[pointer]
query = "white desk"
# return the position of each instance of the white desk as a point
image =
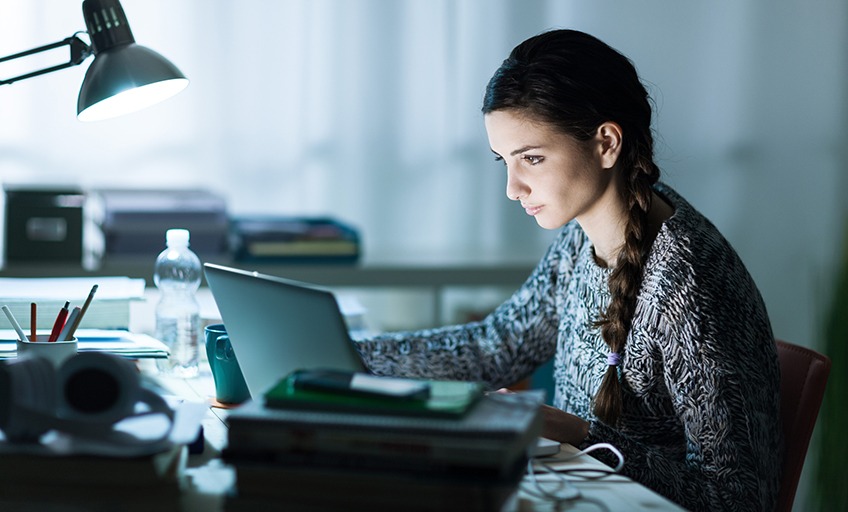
(209, 477)
(612, 493)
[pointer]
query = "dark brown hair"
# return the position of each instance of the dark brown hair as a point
(576, 82)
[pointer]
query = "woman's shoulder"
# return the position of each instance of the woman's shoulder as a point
(697, 292)
(692, 266)
(690, 239)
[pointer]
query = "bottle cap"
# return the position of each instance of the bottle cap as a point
(177, 237)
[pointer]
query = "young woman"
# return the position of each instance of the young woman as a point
(661, 341)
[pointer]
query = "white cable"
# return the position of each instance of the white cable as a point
(566, 490)
(598, 446)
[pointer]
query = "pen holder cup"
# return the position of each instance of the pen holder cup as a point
(230, 387)
(54, 351)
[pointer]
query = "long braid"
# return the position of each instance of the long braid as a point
(626, 280)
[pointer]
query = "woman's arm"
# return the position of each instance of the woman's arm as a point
(500, 350)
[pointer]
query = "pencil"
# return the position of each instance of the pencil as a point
(33, 324)
(21, 335)
(85, 305)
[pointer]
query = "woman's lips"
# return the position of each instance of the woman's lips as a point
(532, 210)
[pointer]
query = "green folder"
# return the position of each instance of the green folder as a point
(446, 399)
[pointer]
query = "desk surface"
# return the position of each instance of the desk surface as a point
(208, 476)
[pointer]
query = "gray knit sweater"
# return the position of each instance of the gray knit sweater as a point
(700, 422)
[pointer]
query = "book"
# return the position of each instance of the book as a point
(34, 481)
(22, 467)
(495, 433)
(43, 496)
(400, 457)
(318, 488)
(450, 399)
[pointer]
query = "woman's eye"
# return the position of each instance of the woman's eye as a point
(533, 159)
(500, 159)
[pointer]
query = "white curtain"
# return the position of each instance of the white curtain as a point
(368, 110)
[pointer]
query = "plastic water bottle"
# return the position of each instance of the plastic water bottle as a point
(177, 276)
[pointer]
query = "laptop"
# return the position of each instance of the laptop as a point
(278, 325)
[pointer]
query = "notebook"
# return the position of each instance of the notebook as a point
(278, 325)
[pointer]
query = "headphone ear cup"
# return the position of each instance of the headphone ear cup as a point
(85, 397)
(97, 389)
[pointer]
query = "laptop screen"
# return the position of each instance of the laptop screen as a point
(278, 325)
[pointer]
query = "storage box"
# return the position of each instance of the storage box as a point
(134, 221)
(44, 224)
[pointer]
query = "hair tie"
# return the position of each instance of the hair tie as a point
(613, 359)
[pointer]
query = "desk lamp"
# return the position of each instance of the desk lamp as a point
(124, 77)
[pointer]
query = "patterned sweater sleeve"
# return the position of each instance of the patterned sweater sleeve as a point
(505, 347)
(722, 377)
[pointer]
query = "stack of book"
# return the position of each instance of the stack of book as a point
(293, 240)
(71, 483)
(110, 307)
(351, 454)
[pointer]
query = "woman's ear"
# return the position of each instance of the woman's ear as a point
(609, 137)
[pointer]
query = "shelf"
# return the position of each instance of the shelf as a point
(374, 274)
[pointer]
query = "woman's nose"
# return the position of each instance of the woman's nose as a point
(515, 188)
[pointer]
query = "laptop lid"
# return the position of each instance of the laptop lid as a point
(278, 325)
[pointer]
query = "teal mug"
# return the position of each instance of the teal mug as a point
(230, 387)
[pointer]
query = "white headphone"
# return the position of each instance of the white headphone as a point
(85, 397)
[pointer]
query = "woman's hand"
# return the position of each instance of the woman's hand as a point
(563, 427)
(559, 425)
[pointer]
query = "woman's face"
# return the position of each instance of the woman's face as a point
(555, 177)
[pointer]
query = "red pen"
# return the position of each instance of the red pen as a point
(33, 323)
(60, 321)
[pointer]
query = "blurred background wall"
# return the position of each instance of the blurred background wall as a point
(368, 110)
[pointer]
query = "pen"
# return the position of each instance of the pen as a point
(78, 319)
(63, 336)
(33, 324)
(15, 323)
(60, 321)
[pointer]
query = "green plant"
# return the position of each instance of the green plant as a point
(830, 483)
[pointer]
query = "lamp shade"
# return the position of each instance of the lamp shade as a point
(124, 79)
(124, 76)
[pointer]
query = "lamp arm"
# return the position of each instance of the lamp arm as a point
(79, 52)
